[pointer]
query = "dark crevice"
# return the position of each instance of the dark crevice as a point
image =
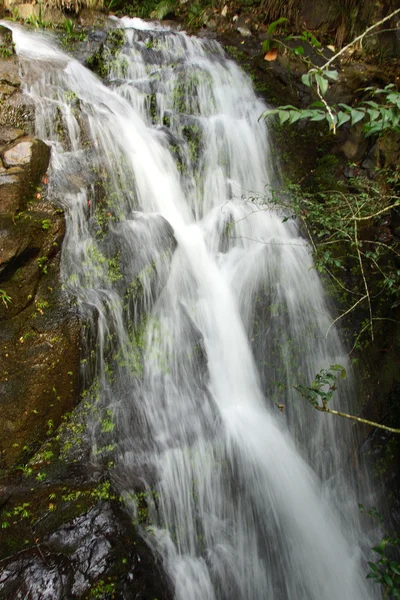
(20, 261)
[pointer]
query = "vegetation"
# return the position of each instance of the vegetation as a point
(350, 241)
(378, 117)
(321, 391)
(5, 298)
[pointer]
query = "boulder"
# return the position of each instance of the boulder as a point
(25, 161)
(97, 554)
(9, 135)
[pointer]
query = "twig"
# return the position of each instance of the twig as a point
(374, 215)
(344, 314)
(354, 418)
(38, 548)
(364, 278)
(328, 108)
(366, 327)
(360, 37)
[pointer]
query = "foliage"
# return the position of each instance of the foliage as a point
(386, 569)
(163, 8)
(323, 387)
(6, 45)
(5, 298)
(350, 241)
(321, 391)
(377, 116)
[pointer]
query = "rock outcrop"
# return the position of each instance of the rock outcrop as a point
(39, 333)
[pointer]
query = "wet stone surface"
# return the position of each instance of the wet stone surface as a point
(95, 555)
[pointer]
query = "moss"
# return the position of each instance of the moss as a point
(103, 59)
(7, 48)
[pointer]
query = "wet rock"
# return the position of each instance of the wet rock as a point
(91, 18)
(39, 334)
(20, 154)
(27, 151)
(9, 135)
(96, 554)
(9, 72)
(18, 112)
(26, 160)
(10, 197)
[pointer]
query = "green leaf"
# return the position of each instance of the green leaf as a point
(299, 50)
(266, 45)
(373, 567)
(380, 548)
(322, 82)
(394, 98)
(395, 567)
(372, 104)
(268, 113)
(342, 118)
(332, 75)
(283, 116)
(374, 129)
(373, 114)
(388, 580)
(306, 79)
(312, 39)
(307, 113)
(295, 115)
(271, 29)
(319, 116)
(356, 115)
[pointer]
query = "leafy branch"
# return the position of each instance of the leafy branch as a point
(377, 116)
(342, 227)
(321, 391)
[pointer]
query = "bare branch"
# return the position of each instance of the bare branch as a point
(360, 37)
(354, 418)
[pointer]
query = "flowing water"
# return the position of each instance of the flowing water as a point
(207, 311)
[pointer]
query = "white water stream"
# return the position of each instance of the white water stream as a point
(207, 306)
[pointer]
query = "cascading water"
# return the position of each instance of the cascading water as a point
(205, 304)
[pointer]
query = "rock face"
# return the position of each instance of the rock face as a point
(63, 533)
(39, 334)
(89, 556)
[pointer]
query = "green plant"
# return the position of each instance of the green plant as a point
(163, 8)
(386, 569)
(197, 15)
(321, 391)
(41, 305)
(46, 224)
(269, 43)
(41, 261)
(102, 589)
(5, 298)
(377, 116)
(345, 232)
(37, 21)
(69, 26)
(6, 51)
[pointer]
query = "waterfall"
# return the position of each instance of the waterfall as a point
(206, 312)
